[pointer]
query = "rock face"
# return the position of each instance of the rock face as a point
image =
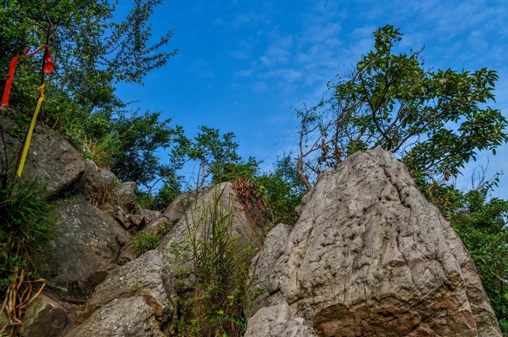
(263, 263)
(145, 276)
(44, 317)
(370, 256)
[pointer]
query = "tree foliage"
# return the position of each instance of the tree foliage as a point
(92, 50)
(435, 121)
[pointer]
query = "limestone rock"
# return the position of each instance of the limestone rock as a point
(263, 262)
(145, 276)
(277, 321)
(81, 254)
(50, 157)
(97, 183)
(370, 256)
(124, 317)
(150, 215)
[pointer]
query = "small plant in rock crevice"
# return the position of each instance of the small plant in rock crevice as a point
(145, 241)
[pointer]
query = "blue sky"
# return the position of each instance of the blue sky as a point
(244, 66)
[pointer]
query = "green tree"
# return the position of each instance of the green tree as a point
(213, 152)
(434, 121)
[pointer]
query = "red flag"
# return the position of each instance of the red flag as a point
(48, 68)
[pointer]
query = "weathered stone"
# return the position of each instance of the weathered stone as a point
(124, 317)
(370, 256)
(44, 317)
(122, 218)
(50, 157)
(82, 252)
(263, 262)
(137, 219)
(145, 276)
(128, 253)
(157, 224)
(277, 321)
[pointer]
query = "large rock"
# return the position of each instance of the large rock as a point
(370, 256)
(97, 183)
(124, 317)
(82, 253)
(50, 157)
(176, 210)
(263, 263)
(145, 276)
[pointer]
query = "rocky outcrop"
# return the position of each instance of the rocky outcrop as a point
(370, 256)
(50, 157)
(153, 282)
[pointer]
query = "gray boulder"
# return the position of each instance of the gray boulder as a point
(176, 210)
(124, 317)
(50, 157)
(370, 256)
(83, 250)
(263, 263)
(145, 276)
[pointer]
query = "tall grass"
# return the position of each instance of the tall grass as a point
(27, 222)
(220, 263)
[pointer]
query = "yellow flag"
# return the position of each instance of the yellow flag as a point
(28, 138)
